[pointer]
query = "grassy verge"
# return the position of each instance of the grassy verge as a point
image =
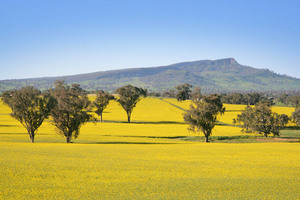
(290, 136)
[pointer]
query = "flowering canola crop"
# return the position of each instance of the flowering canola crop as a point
(153, 171)
(117, 160)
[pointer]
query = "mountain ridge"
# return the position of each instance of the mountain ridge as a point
(222, 75)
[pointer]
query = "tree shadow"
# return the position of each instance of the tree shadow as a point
(13, 133)
(139, 122)
(226, 124)
(4, 125)
(233, 110)
(152, 137)
(116, 142)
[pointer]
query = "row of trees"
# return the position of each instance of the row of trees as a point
(290, 100)
(181, 92)
(202, 116)
(246, 99)
(255, 97)
(184, 92)
(68, 106)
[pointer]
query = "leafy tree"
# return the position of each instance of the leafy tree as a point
(283, 98)
(252, 98)
(101, 102)
(236, 98)
(70, 113)
(283, 120)
(129, 96)
(203, 116)
(268, 101)
(154, 94)
(169, 94)
(183, 92)
(296, 116)
(247, 118)
(261, 120)
(30, 107)
(294, 100)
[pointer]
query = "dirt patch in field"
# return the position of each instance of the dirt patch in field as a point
(287, 139)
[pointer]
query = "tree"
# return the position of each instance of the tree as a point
(247, 118)
(70, 113)
(296, 116)
(283, 98)
(101, 102)
(268, 101)
(196, 94)
(261, 120)
(203, 116)
(294, 100)
(236, 98)
(169, 94)
(30, 107)
(129, 96)
(183, 92)
(252, 98)
(283, 120)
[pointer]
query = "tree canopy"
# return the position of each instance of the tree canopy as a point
(202, 116)
(70, 113)
(30, 107)
(129, 96)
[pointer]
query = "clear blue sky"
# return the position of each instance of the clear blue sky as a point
(63, 37)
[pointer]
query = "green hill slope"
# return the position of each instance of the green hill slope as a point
(222, 75)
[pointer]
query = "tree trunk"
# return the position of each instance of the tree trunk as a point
(101, 117)
(32, 139)
(31, 135)
(68, 139)
(266, 135)
(128, 117)
(206, 138)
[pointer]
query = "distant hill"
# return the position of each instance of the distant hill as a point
(224, 75)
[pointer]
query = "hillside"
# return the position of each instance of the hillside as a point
(222, 75)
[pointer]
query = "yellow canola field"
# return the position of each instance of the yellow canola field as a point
(117, 160)
(153, 171)
(152, 118)
(232, 110)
